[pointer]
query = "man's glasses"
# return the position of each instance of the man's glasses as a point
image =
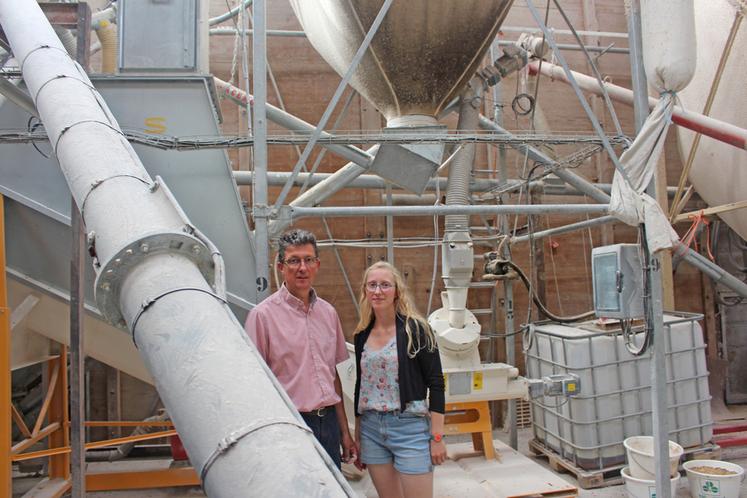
(384, 286)
(295, 263)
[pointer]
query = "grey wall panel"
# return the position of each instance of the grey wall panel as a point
(200, 180)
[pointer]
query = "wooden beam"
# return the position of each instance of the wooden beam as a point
(46, 431)
(165, 478)
(18, 419)
(22, 310)
(49, 488)
(724, 208)
(47, 398)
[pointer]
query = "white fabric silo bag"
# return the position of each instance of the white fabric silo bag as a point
(668, 32)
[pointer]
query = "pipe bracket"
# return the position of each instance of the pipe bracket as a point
(234, 437)
(98, 183)
(152, 300)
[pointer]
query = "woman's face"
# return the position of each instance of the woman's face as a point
(380, 289)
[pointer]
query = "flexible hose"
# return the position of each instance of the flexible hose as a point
(541, 306)
(123, 450)
(68, 39)
(457, 192)
(107, 33)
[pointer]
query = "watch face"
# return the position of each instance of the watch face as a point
(436, 437)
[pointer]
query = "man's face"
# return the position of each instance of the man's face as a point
(299, 269)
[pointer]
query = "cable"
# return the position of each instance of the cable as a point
(541, 306)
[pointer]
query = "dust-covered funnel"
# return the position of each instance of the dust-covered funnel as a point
(424, 52)
(421, 57)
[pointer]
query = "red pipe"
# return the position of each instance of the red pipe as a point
(727, 429)
(718, 130)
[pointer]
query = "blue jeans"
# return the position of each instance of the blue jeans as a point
(327, 430)
(401, 438)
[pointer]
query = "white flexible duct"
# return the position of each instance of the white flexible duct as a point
(239, 428)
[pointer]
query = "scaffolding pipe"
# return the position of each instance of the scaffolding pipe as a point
(706, 125)
(581, 225)
(294, 124)
(491, 209)
(275, 178)
(10, 90)
(713, 271)
(238, 426)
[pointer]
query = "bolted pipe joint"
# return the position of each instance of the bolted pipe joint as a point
(114, 270)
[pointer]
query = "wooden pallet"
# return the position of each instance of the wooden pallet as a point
(587, 479)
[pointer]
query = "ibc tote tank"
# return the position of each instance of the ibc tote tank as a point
(615, 398)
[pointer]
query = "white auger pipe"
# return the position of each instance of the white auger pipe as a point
(240, 430)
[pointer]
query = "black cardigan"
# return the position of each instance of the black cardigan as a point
(415, 374)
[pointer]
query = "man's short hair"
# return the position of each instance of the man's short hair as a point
(295, 237)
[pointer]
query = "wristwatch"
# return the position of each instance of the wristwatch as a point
(437, 437)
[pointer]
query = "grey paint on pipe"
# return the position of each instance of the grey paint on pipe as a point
(228, 408)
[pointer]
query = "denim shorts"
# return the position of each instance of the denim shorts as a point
(400, 437)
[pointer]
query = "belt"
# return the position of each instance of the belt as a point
(319, 412)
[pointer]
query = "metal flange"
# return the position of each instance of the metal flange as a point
(109, 279)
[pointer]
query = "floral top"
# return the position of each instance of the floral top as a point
(380, 381)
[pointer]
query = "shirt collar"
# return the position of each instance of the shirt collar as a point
(294, 301)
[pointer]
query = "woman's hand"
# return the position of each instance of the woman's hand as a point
(438, 452)
(357, 462)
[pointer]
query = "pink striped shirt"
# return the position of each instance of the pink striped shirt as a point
(301, 348)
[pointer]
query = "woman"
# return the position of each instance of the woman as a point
(400, 432)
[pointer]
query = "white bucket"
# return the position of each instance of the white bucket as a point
(640, 453)
(707, 485)
(645, 488)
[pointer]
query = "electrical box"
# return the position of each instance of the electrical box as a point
(617, 275)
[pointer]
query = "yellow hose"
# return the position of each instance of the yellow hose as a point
(107, 33)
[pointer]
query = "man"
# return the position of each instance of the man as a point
(300, 337)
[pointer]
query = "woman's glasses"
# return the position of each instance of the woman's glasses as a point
(384, 286)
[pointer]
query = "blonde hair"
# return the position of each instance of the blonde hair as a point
(403, 306)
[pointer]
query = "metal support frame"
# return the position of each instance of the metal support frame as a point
(6, 411)
(659, 405)
(715, 272)
(584, 104)
(335, 98)
(581, 225)
(77, 354)
(530, 209)
(259, 197)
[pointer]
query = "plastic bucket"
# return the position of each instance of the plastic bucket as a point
(640, 453)
(707, 484)
(645, 488)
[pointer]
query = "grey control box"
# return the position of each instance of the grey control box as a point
(617, 276)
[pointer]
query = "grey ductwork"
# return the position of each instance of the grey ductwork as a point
(457, 255)
(239, 428)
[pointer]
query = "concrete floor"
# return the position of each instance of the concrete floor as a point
(23, 484)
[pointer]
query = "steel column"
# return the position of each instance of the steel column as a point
(654, 311)
(6, 482)
(260, 195)
(77, 355)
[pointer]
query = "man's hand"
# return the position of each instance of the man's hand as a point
(349, 448)
(438, 452)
